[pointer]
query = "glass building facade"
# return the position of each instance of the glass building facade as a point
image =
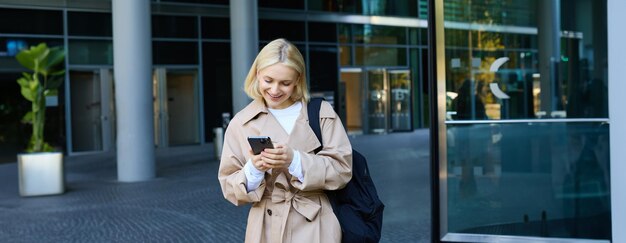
(522, 102)
(524, 122)
(375, 68)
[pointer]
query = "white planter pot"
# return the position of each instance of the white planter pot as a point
(40, 174)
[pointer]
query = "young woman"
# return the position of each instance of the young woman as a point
(285, 184)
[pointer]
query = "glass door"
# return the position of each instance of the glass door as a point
(400, 99)
(92, 110)
(378, 101)
(352, 96)
(176, 107)
(388, 100)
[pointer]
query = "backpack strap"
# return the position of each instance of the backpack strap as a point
(313, 110)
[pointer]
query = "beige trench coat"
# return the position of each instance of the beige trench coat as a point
(283, 208)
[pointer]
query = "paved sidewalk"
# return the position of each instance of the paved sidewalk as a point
(185, 204)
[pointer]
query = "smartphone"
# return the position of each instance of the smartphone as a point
(258, 143)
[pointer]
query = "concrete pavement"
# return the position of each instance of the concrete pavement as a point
(185, 204)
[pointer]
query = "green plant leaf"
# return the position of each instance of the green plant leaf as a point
(24, 82)
(46, 64)
(32, 57)
(47, 147)
(54, 58)
(27, 75)
(41, 60)
(58, 72)
(28, 118)
(51, 92)
(25, 60)
(26, 89)
(33, 85)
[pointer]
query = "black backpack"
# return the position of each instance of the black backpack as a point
(357, 206)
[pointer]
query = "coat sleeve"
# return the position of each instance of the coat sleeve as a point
(231, 175)
(331, 168)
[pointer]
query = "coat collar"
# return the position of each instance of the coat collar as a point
(302, 137)
(253, 110)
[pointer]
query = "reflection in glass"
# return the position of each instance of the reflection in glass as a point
(532, 177)
(377, 101)
(379, 56)
(517, 13)
(377, 34)
(529, 179)
(418, 36)
(345, 33)
(545, 77)
(345, 55)
(400, 84)
(407, 8)
(90, 52)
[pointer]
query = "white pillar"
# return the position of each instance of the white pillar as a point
(244, 45)
(616, 52)
(132, 53)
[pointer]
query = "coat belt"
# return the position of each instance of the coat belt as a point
(299, 201)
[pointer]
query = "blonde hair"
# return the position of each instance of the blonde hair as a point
(278, 51)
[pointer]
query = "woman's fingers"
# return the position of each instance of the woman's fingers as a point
(258, 162)
(277, 157)
(273, 162)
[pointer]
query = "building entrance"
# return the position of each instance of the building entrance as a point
(376, 100)
(176, 107)
(92, 99)
(92, 110)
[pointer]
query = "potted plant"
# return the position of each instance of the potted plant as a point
(40, 168)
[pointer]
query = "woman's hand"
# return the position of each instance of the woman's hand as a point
(278, 157)
(257, 162)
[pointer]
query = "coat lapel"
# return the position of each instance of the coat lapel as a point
(272, 128)
(259, 119)
(302, 137)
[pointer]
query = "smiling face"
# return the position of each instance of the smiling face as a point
(277, 84)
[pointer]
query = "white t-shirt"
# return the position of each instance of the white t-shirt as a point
(287, 117)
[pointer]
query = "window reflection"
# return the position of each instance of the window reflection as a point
(541, 179)
(576, 88)
(511, 66)
(405, 8)
(376, 34)
(380, 56)
(90, 52)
